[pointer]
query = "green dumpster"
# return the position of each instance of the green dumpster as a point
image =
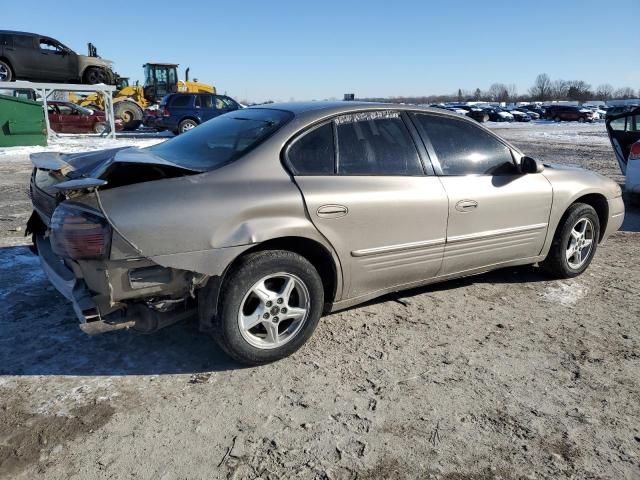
(21, 122)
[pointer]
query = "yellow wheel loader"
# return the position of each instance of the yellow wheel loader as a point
(130, 101)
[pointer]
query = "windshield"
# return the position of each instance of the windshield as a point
(222, 139)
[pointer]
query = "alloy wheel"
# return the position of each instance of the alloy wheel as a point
(4, 73)
(274, 310)
(580, 243)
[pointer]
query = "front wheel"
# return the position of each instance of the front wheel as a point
(580, 119)
(574, 243)
(270, 305)
(557, 119)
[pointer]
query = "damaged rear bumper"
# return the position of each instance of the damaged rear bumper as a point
(76, 291)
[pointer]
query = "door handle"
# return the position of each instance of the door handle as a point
(332, 211)
(466, 205)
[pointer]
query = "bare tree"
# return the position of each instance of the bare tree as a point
(512, 91)
(498, 92)
(541, 88)
(604, 92)
(579, 90)
(559, 89)
(624, 93)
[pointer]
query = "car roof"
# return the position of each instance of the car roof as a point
(321, 108)
(14, 32)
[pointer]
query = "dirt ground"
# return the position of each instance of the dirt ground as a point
(504, 375)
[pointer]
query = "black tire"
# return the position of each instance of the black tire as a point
(186, 125)
(556, 119)
(6, 74)
(239, 282)
(95, 75)
(485, 118)
(99, 127)
(130, 114)
(580, 119)
(556, 264)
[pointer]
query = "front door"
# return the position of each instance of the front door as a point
(369, 195)
(496, 213)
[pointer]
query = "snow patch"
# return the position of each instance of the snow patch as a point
(566, 294)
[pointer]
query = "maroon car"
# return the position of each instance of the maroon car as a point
(65, 117)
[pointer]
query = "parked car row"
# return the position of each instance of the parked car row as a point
(525, 113)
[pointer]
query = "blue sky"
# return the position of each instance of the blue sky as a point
(300, 50)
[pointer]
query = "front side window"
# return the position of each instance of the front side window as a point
(313, 153)
(222, 139)
(465, 149)
(375, 143)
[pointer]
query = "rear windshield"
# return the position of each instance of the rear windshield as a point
(222, 139)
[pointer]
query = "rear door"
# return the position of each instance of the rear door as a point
(496, 213)
(24, 56)
(624, 131)
(367, 192)
(206, 107)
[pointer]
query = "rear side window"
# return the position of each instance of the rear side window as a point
(464, 149)
(22, 41)
(180, 101)
(5, 41)
(375, 143)
(313, 153)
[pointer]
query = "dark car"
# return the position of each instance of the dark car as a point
(65, 117)
(180, 112)
(569, 113)
(533, 108)
(497, 114)
(477, 113)
(29, 56)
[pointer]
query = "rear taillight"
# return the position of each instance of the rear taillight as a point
(166, 113)
(634, 154)
(78, 233)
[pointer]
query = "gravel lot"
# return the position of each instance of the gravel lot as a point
(503, 375)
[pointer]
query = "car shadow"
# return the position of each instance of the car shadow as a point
(39, 334)
(508, 275)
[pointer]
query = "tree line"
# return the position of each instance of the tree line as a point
(543, 89)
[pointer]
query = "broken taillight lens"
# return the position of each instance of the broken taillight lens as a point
(78, 233)
(634, 154)
(166, 113)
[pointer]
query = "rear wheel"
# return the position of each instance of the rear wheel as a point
(485, 118)
(270, 304)
(100, 127)
(574, 243)
(186, 125)
(130, 113)
(6, 74)
(556, 119)
(580, 119)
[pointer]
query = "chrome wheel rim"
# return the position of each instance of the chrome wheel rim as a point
(274, 310)
(4, 73)
(188, 126)
(580, 243)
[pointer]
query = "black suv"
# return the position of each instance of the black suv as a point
(29, 56)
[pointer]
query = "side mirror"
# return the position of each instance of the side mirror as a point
(530, 165)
